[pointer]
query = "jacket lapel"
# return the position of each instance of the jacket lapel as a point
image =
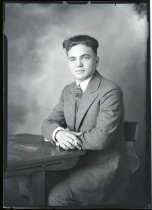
(88, 98)
(69, 109)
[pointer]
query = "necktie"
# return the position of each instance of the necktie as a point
(78, 96)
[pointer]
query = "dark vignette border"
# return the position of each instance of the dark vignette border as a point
(148, 93)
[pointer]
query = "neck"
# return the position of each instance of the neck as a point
(80, 81)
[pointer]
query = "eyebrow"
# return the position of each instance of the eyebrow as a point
(80, 56)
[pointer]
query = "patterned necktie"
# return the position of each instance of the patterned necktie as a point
(78, 96)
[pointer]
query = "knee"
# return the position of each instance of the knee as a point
(52, 200)
(59, 195)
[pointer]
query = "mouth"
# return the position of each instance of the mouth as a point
(79, 71)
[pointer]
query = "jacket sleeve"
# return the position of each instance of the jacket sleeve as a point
(55, 119)
(110, 114)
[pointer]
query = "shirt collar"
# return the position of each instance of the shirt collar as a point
(84, 83)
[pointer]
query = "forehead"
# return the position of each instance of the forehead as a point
(79, 50)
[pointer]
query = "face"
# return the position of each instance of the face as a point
(82, 61)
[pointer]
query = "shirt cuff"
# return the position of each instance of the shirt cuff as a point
(53, 136)
(55, 131)
(46, 139)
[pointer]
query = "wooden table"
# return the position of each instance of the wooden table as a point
(29, 154)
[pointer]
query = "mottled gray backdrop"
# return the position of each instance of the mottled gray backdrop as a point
(37, 64)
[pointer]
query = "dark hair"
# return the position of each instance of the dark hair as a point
(81, 39)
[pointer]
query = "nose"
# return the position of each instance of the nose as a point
(79, 63)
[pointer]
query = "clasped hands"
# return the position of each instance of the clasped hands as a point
(69, 139)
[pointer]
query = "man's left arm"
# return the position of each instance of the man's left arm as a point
(110, 113)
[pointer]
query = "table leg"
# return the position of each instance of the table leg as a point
(37, 196)
(24, 185)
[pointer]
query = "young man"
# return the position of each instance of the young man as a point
(89, 116)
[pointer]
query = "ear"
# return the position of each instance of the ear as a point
(97, 61)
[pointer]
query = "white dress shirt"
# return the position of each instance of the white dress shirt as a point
(84, 83)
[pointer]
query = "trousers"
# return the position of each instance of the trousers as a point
(57, 189)
(58, 193)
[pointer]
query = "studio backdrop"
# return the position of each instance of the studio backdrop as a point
(37, 64)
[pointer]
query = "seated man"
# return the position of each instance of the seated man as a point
(89, 116)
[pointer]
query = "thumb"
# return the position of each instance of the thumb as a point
(77, 133)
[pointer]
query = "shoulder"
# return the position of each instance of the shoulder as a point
(108, 85)
(69, 88)
(109, 92)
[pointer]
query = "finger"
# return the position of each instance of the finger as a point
(77, 133)
(78, 146)
(74, 138)
(63, 146)
(69, 145)
(71, 141)
(75, 143)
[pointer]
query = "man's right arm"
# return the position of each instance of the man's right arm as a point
(53, 128)
(54, 121)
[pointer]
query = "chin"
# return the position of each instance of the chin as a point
(79, 78)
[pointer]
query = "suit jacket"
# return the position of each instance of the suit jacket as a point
(101, 175)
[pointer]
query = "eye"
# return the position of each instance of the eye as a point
(72, 59)
(86, 57)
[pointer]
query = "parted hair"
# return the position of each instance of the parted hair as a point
(81, 39)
